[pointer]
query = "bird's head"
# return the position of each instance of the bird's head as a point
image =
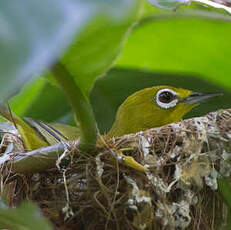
(154, 107)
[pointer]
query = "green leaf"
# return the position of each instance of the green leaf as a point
(30, 92)
(110, 91)
(42, 101)
(44, 108)
(98, 46)
(183, 45)
(25, 217)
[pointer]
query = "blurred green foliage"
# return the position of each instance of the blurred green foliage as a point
(25, 217)
(35, 33)
(192, 45)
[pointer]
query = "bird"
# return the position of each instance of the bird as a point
(154, 107)
(37, 134)
(147, 108)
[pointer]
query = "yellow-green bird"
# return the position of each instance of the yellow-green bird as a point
(36, 134)
(147, 108)
(154, 107)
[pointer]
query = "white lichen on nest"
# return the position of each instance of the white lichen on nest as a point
(11, 142)
(99, 165)
(137, 195)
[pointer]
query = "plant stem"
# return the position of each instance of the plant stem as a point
(80, 105)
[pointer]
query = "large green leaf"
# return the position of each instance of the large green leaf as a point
(25, 217)
(33, 33)
(173, 44)
(99, 44)
(50, 105)
(30, 92)
(42, 101)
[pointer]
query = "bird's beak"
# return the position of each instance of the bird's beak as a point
(195, 98)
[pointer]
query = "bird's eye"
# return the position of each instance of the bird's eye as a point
(166, 98)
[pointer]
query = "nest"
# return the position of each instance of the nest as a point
(178, 191)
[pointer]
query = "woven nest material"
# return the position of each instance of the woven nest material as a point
(178, 191)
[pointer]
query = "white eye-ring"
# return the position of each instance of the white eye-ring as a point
(166, 98)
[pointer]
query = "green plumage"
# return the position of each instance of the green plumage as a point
(140, 111)
(37, 134)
